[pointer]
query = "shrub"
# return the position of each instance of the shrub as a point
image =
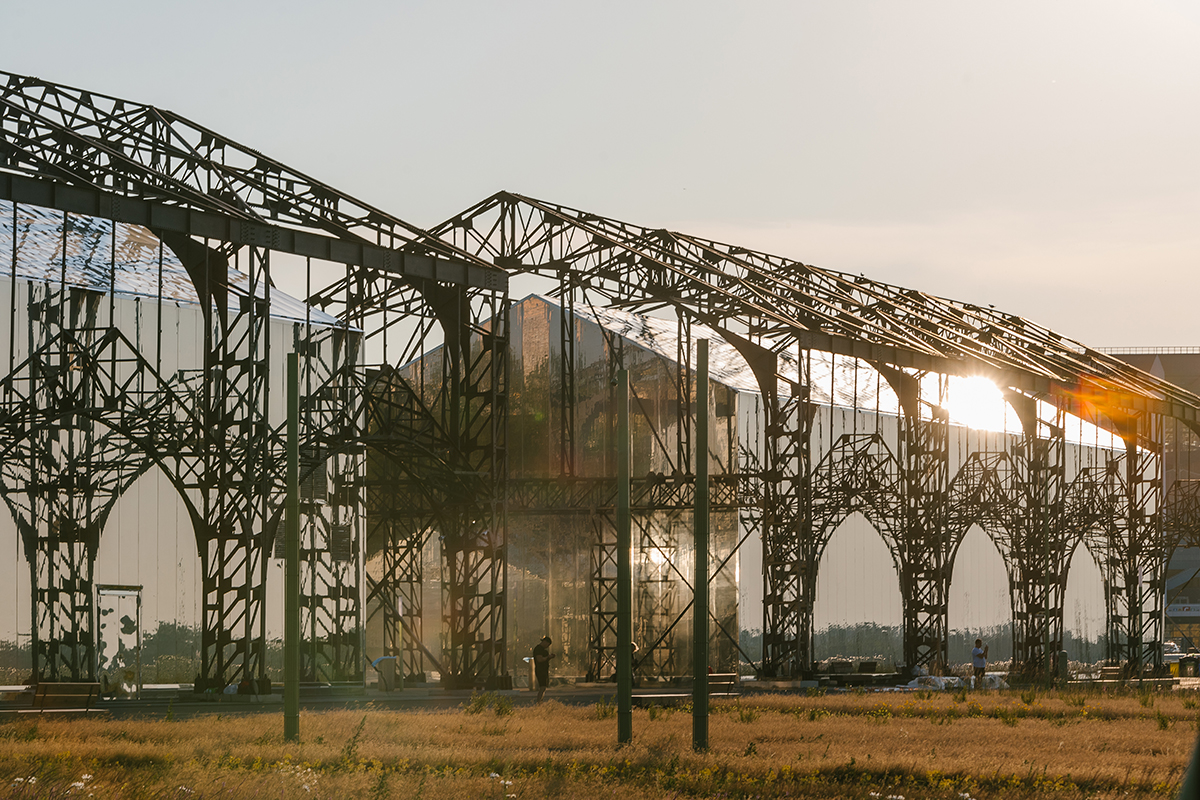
(605, 709)
(478, 702)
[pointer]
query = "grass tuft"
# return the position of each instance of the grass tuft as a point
(746, 714)
(605, 709)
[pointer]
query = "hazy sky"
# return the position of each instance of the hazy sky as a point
(1041, 156)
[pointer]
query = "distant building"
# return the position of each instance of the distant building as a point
(1181, 462)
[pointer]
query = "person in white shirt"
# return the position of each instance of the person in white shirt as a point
(979, 662)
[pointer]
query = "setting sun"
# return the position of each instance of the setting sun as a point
(977, 403)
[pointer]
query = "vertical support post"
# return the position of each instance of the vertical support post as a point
(700, 604)
(400, 644)
(1049, 653)
(624, 568)
(291, 554)
(138, 695)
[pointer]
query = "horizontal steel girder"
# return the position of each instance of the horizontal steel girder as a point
(159, 216)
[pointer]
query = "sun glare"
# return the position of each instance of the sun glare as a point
(977, 403)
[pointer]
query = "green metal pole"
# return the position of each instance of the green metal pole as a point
(291, 557)
(1190, 789)
(399, 646)
(624, 568)
(700, 605)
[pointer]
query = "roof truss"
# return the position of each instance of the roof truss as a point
(112, 149)
(784, 302)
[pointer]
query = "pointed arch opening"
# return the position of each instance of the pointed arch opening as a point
(980, 600)
(148, 541)
(1084, 610)
(858, 612)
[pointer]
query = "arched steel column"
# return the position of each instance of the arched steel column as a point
(332, 503)
(474, 546)
(1135, 568)
(1039, 540)
(227, 459)
(789, 544)
(69, 481)
(924, 540)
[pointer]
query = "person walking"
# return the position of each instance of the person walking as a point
(541, 665)
(979, 662)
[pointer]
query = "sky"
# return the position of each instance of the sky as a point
(1037, 156)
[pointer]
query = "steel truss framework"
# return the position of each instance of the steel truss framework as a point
(83, 401)
(411, 449)
(795, 494)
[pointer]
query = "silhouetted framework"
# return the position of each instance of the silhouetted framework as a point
(405, 340)
(1035, 495)
(87, 406)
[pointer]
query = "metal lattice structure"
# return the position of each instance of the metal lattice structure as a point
(221, 209)
(407, 404)
(774, 311)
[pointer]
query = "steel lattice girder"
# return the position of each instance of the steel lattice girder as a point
(110, 148)
(781, 299)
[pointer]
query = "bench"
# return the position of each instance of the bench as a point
(74, 696)
(723, 683)
(720, 685)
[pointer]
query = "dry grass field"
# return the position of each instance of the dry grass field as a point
(910, 745)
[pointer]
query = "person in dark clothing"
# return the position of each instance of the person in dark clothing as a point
(541, 665)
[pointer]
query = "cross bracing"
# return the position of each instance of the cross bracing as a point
(767, 306)
(407, 455)
(851, 315)
(77, 168)
(117, 148)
